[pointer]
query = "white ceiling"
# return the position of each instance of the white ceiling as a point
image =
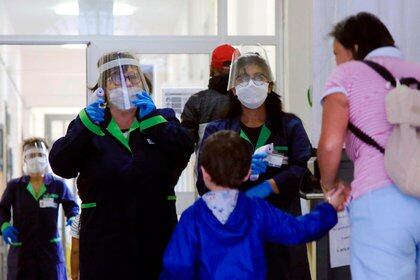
(47, 76)
(151, 17)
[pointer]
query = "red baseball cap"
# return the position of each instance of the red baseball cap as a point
(221, 55)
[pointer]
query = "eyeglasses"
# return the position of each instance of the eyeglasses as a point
(258, 79)
(133, 78)
(34, 155)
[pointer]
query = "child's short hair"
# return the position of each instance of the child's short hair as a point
(226, 157)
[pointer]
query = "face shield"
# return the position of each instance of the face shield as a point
(121, 79)
(250, 75)
(35, 158)
(249, 63)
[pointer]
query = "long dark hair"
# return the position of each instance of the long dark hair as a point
(366, 31)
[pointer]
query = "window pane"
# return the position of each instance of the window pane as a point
(169, 72)
(251, 17)
(140, 17)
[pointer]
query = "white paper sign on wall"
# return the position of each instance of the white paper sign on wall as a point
(340, 241)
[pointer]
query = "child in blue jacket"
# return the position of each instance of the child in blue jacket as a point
(222, 236)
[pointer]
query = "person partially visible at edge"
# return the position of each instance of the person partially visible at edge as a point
(127, 156)
(74, 252)
(255, 112)
(223, 235)
(29, 215)
(385, 227)
(209, 105)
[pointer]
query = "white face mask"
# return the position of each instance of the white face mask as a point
(252, 96)
(122, 98)
(37, 165)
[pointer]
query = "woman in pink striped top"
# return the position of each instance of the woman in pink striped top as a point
(385, 223)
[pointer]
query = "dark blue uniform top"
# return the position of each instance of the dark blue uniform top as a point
(36, 222)
(290, 139)
(203, 248)
(127, 190)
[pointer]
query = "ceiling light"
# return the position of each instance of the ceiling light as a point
(121, 9)
(67, 9)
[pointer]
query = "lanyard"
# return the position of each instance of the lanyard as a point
(115, 131)
(262, 138)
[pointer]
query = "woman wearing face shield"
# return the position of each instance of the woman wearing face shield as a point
(256, 114)
(128, 157)
(31, 231)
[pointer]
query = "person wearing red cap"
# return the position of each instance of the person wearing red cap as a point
(208, 105)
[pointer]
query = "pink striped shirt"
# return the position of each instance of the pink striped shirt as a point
(366, 92)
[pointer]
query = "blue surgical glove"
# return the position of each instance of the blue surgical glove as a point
(95, 112)
(261, 190)
(69, 221)
(144, 103)
(10, 235)
(258, 163)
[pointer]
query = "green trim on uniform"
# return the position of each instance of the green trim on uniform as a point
(281, 148)
(171, 197)
(31, 189)
(89, 124)
(115, 131)
(262, 138)
(88, 205)
(52, 195)
(244, 136)
(55, 240)
(17, 244)
(145, 124)
(5, 225)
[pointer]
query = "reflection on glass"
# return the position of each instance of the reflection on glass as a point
(107, 17)
(251, 17)
(175, 71)
(271, 55)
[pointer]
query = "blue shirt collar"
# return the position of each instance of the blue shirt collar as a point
(385, 51)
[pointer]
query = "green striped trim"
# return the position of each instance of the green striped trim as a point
(281, 148)
(55, 240)
(88, 205)
(5, 225)
(17, 244)
(171, 197)
(89, 124)
(151, 122)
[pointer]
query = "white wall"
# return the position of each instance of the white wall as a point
(298, 59)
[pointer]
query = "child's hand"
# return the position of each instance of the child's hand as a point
(337, 197)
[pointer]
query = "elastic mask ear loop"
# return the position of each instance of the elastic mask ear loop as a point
(127, 104)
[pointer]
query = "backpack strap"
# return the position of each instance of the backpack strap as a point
(410, 81)
(365, 138)
(384, 73)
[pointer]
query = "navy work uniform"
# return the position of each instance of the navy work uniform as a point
(289, 139)
(126, 182)
(38, 254)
